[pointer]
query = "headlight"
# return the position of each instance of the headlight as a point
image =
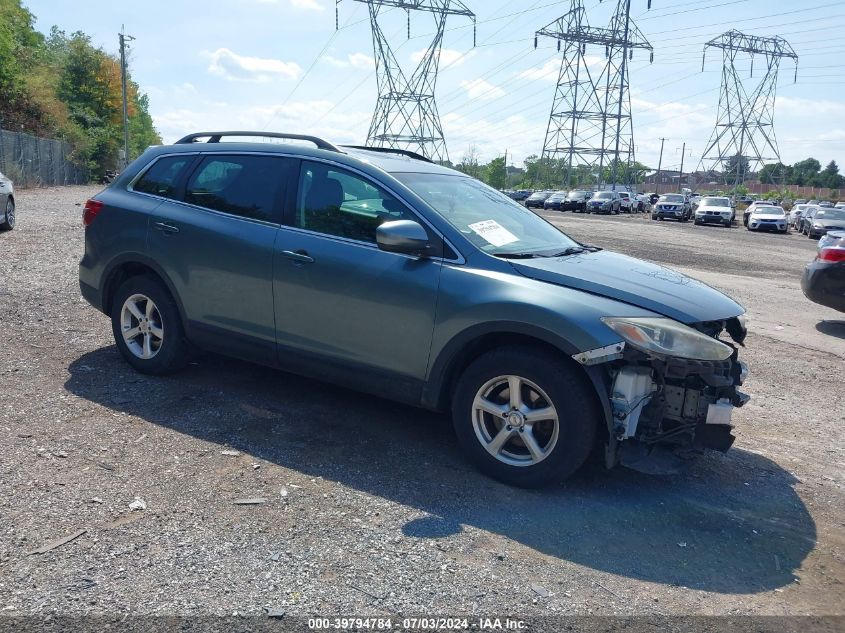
(816, 225)
(666, 337)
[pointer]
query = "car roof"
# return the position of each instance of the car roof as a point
(383, 159)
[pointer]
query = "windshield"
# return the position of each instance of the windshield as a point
(715, 202)
(831, 214)
(770, 210)
(577, 195)
(490, 220)
(603, 195)
(672, 198)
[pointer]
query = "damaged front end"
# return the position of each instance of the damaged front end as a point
(664, 408)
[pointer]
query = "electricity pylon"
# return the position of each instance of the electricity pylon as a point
(406, 115)
(590, 122)
(744, 131)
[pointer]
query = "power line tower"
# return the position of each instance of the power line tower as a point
(590, 122)
(744, 136)
(406, 115)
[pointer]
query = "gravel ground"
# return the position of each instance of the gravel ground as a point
(369, 507)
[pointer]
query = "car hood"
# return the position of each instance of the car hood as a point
(837, 224)
(762, 215)
(636, 282)
(719, 209)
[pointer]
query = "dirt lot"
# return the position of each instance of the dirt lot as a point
(370, 508)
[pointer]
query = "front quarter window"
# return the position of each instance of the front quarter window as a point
(490, 220)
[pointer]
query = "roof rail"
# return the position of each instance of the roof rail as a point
(391, 150)
(214, 137)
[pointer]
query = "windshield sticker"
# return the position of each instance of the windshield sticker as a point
(493, 232)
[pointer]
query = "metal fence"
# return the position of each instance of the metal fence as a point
(31, 161)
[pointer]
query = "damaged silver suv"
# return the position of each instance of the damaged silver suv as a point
(379, 270)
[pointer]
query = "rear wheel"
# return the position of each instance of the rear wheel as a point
(8, 222)
(524, 417)
(147, 327)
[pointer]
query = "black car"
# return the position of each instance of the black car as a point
(605, 202)
(672, 206)
(576, 201)
(824, 220)
(554, 201)
(823, 281)
(536, 199)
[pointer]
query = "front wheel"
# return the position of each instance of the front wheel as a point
(8, 222)
(147, 327)
(524, 416)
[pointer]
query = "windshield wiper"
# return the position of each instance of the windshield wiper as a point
(515, 255)
(572, 250)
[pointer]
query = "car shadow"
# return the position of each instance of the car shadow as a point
(732, 524)
(832, 328)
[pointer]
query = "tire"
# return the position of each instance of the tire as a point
(159, 347)
(728, 224)
(697, 223)
(8, 222)
(561, 444)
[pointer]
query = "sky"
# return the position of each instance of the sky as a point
(280, 65)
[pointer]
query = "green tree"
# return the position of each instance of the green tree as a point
(830, 176)
(736, 168)
(64, 86)
(494, 173)
(775, 173)
(806, 172)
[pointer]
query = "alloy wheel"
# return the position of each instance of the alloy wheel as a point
(515, 421)
(10, 213)
(141, 326)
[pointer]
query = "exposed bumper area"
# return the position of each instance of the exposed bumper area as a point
(666, 409)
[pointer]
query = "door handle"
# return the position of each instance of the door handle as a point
(301, 257)
(164, 227)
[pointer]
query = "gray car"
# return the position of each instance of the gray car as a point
(379, 270)
(7, 204)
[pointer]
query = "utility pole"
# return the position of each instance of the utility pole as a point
(123, 39)
(681, 176)
(659, 165)
(506, 169)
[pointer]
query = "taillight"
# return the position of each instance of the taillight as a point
(831, 255)
(92, 208)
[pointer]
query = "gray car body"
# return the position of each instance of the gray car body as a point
(7, 192)
(405, 337)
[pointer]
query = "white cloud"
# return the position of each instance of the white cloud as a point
(808, 108)
(308, 5)
(550, 70)
(354, 60)
(448, 56)
(234, 67)
(480, 89)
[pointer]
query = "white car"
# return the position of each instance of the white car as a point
(715, 209)
(7, 204)
(768, 218)
(626, 206)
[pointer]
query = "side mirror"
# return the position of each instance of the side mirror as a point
(402, 236)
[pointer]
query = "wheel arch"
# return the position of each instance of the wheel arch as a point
(465, 347)
(135, 265)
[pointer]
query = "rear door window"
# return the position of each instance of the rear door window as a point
(243, 185)
(162, 177)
